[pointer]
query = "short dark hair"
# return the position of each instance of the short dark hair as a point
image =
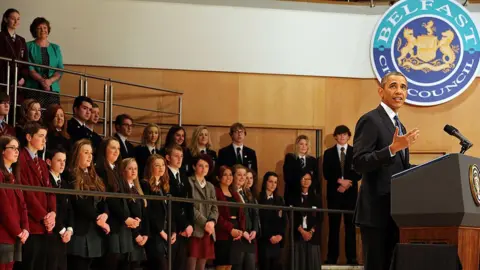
(237, 126)
(80, 99)
(31, 128)
(52, 152)
(95, 105)
(170, 139)
(205, 158)
(5, 16)
(4, 96)
(121, 117)
(342, 129)
(267, 175)
(36, 22)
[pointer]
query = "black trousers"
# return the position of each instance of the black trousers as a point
(79, 263)
(179, 253)
(57, 253)
(339, 201)
(378, 245)
(34, 252)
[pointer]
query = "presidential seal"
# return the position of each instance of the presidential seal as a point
(435, 43)
(475, 183)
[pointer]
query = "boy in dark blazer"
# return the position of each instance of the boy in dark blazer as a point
(41, 206)
(5, 128)
(236, 152)
(82, 110)
(183, 212)
(63, 230)
(342, 189)
(124, 126)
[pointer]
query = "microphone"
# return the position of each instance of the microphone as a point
(464, 142)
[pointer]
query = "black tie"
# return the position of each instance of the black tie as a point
(342, 160)
(153, 151)
(59, 183)
(202, 152)
(177, 175)
(239, 155)
(398, 124)
(302, 162)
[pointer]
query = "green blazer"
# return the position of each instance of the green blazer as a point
(35, 56)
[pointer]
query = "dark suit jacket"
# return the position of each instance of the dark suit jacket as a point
(64, 217)
(141, 155)
(55, 140)
(211, 177)
(13, 211)
(332, 170)
(39, 204)
(7, 130)
(227, 156)
(314, 219)
(127, 152)
(138, 209)
(118, 208)
(371, 157)
(17, 50)
(183, 212)
(293, 173)
(273, 222)
(78, 132)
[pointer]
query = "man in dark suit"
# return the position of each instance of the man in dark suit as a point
(90, 124)
(183, 212)
(63, 230)
(342, 189)
(380, 149)
(236, 152)
(82, 110)
(124, 126)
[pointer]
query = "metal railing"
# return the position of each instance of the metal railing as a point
(108, 92)
(290, 209)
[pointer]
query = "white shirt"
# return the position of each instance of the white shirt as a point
(131, 185)
(205, 150)
(57, 179)
(112, 166)
(175, 172)
(391, 114)
(237, 146)
(202, 183)
(339, 150)
(150, 148)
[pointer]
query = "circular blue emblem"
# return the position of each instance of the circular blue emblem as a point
(435, 44)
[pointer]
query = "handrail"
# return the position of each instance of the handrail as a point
(86, 75)
(168, 198)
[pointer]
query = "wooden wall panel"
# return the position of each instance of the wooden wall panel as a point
(277, 108)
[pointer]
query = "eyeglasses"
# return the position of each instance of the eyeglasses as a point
(239, 131)
(4, 102)
(14, 148)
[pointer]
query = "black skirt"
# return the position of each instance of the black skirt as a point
(226, 251)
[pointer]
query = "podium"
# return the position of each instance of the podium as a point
(438, 203)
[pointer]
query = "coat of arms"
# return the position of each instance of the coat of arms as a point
(425, 58)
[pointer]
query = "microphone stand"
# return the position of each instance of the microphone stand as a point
(465, 146)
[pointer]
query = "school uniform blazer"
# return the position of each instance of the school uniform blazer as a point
(227, 156)
(7, 130)
(274, 222)
(117, 207)
(314, 219)
(127, 152)
(224, 225)
(55, 140)
(77, 131)
(138, 209)
(203, 212)
(183, 212)
(17, 50)
(157, 211)
(293, 173)
(64, 218)
(35, 56)
(141, 155)
(39, 204)
(13, 211)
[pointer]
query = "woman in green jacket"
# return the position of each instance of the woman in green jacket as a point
(41, 51)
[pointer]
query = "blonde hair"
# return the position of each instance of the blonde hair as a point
(145, 135)
(194, 140)
(136, 182)
(298, 139)
(244, 187)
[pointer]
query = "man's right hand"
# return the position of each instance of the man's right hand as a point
(401, 142)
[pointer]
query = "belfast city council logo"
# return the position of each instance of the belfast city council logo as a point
(435, 43)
